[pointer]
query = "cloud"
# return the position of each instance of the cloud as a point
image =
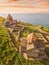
(25, 3)
(23, 10)
(3, 1)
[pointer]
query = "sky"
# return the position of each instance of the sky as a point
(35, 11)
(32, 3)
(24, 6)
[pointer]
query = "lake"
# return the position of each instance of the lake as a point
(37, 18)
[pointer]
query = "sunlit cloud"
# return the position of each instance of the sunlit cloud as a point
(4, 1)
(20, 3)
(24, 6)
(23, 10)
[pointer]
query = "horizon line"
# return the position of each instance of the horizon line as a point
(25, 6)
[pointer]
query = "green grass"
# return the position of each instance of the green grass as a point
(47, 51)
(19, 60)
(8, 54)
(27, 30)
(6, 50)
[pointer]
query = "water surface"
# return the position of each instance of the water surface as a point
(37, 19)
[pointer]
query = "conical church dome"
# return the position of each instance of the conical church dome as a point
(9, 17)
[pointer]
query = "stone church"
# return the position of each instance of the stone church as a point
(10, 23)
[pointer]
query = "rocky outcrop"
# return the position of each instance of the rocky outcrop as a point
(31, 38)
(32, 46)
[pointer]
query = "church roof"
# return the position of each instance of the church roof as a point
(9, 17)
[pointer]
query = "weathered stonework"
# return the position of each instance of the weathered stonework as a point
(34, 49)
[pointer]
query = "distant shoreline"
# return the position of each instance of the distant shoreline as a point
(36, 19)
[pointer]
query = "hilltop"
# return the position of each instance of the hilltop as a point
(18, 33)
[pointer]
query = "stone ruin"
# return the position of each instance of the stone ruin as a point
(32, 46)
(12, 24)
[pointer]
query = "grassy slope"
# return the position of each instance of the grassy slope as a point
(8, 54)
